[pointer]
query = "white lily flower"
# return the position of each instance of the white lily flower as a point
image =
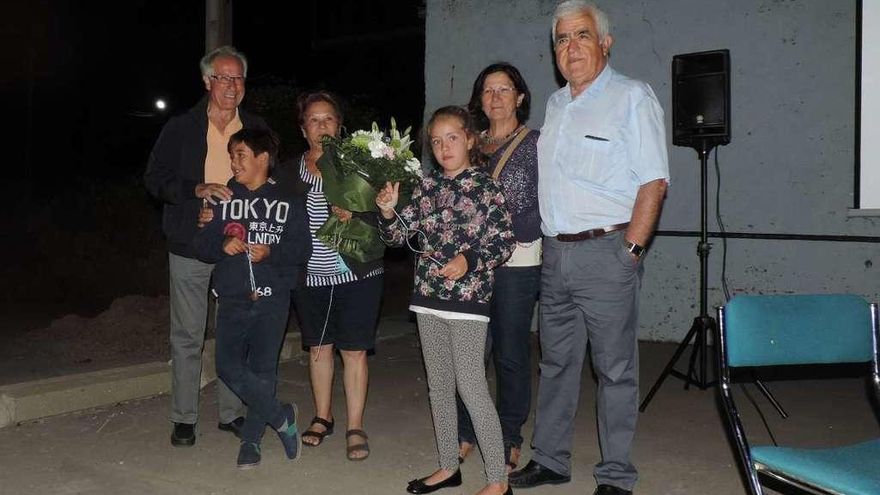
(377, 149)
(405, 142)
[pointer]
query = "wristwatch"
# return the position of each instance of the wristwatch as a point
(634, 249)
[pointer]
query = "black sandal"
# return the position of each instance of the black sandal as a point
(358, 447)
(320, 435)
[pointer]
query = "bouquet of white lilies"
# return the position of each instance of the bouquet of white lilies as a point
(353, 169)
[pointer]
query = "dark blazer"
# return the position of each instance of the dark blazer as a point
(177, 165)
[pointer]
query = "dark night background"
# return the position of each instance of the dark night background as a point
(79, 80)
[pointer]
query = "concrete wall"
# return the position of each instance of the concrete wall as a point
(789, 167)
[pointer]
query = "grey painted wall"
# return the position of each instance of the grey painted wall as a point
(788, 169)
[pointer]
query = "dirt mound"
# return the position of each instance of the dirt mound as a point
(131, 326)
(133, 330)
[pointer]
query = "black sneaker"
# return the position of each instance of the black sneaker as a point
(184, 435)
(233, 426)
(248, 455)
(290, 435)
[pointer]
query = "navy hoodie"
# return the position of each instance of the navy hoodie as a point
(264, 216)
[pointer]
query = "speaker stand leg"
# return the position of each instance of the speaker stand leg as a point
(699, 332)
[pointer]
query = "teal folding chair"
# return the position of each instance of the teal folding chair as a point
(756, 331)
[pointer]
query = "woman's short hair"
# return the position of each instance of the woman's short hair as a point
(258, 140)
(207, 62)
(475, 106)
(304, 100)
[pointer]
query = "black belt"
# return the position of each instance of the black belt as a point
(592, 233)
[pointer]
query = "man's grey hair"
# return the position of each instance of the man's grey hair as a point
(207, 62)
(571, 7)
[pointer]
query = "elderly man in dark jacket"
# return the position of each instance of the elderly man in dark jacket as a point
(188, 167)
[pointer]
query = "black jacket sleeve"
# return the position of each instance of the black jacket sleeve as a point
(163, 176)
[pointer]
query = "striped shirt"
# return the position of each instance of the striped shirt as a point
(323, 268)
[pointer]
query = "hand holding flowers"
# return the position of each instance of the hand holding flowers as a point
(387, 199)
(343, 214)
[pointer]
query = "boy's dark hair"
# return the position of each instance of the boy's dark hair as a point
(258, 140)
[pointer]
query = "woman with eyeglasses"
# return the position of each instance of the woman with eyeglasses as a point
(500, 105)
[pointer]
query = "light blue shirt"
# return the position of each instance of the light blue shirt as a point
(596, 150)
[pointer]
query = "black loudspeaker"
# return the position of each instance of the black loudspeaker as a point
(701, 99)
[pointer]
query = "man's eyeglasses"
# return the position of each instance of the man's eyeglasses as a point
(498, 90)
(227, 80)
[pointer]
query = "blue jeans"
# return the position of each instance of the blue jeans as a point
(507, 343)
(249, 337)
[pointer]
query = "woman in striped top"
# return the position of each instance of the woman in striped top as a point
(338, 305)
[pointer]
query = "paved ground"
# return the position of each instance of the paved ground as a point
(681, 447)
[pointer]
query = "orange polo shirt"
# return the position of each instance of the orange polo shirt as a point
(217, 162)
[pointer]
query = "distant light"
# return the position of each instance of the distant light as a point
(160, 104)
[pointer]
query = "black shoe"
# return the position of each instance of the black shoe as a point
(419, 486)
(233, 426)
(535, 474)
(184, 435)
(611, 490)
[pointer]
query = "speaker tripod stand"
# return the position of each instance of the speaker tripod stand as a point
(703, 324)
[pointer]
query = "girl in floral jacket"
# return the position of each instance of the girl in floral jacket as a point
(464, 233)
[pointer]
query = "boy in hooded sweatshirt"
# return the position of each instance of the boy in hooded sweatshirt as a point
(259, 241)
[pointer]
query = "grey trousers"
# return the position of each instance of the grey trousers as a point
(189, 313)
(453, 352)
(589, 293)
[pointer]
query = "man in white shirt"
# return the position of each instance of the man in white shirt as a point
(603, 173)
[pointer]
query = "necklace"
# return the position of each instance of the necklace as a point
(311, 163)
(486, 138)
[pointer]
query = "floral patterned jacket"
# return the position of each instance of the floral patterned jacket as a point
(464, 215)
